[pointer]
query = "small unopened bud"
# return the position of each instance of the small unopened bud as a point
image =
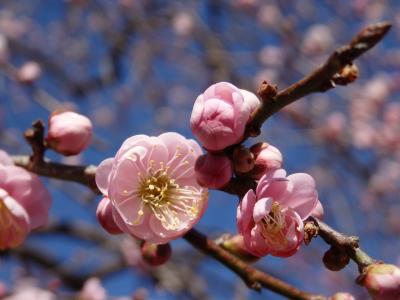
(213, 170)
(267, 157)
(335, 259)
(69, 133)
(267, 91)
(29, 72)
(383, 281)
(342, 296)
(346, 75)
(243, 159)
(235, 245)
(318, 211)
(154, 254)
(105, 217)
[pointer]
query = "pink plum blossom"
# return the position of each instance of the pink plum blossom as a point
(267, 157)
(24, 203)
(383, 281)
(271, 218)
(152, 188)
(220, 115)
(213, 170)
(318, 211)
(69, 133)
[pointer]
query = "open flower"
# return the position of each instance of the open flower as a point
(271, 219)
(220, 115)
(24, 203)
(152, 188)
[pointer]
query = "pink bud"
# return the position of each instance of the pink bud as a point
(220, 115)
(267, 157)
(342, 296)
(318, 211)
(69, 133)
(105, 217)
(156, 255)
(243, 159)
(213, 171)
(383, 282)
(29, 72)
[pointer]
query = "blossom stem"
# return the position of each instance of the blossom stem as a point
(255, 279)
(349, 244)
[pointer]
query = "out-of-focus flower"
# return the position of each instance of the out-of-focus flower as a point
(243, 159)
(342, 296)
(4, 51)
(152, 188)
(220, 115)
(269, 15)
(183, 24)
(105, 216)
(69, 133)
(154, 254)
(26, 289)
(317, 39)
(271, 219)
(93, 290)
(24, 203)
(29, 72)
(213, 170)
(334, 127)
(318, 211)
(383, 281)
(267, 158)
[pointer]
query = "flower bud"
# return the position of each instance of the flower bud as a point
(220, 115)
(335, 259)
(213, 171)
(383, 281)
(267, 157)
(154, 254)
(318, 211)
(243, 159)
(29, 72)
(69, 133)
(235, 245)
(342, 296)
(105, 217)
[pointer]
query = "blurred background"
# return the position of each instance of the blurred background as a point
(136, 67)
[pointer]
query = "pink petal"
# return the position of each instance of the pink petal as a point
(102, 175)
(245, 212)
(303, 198)
(262, 208)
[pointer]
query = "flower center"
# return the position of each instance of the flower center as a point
(174, 205)
(273, 225)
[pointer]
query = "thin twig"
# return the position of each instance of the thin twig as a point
(319, 80)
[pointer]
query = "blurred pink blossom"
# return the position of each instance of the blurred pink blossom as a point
(152, 188)
(183, 24)
(93, 290)
(271, 219)
(69, 133)
(318, 39)
(29, 72)
(342, 296)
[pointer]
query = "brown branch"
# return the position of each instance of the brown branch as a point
(80, 174)
(322, 78)
(255, 279)
(348, 244)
